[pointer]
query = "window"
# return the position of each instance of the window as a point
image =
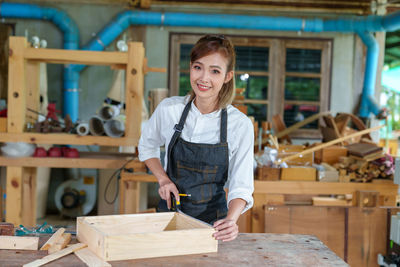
(280, 76)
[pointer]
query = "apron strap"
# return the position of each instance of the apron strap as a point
(178, 130)
(224, 126)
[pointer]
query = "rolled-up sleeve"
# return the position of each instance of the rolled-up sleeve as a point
(240, 176)
(151, 139)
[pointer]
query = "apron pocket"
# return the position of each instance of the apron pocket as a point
(199, 181)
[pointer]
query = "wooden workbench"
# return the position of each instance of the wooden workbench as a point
(246, 250)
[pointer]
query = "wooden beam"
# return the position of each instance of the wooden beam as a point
(29, 180)
(134, 90)
(316, 148)
(71, 139)
(54, 256)
(53, 239)
(91, 259)
(62, 56)
(321, 188)
(301, 124)
(19, 242)
(61, 243)
(86, 160)
(14, 195)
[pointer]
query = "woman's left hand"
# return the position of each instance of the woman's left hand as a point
(227, 230)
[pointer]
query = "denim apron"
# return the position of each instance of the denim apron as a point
(200, 170)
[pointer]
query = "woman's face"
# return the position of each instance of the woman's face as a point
(208, 74)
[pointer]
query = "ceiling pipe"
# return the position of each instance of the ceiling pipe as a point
(70, 41)
(363, 26)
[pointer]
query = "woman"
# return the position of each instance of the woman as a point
(209, 143)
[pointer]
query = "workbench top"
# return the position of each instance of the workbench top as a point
(246, 250)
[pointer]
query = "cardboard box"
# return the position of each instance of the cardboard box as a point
(299, 174)
(268, 173)
(330, 154)
(135, 236)
(3, 125)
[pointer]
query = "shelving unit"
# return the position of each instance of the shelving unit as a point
(264, 191)
(23, 93)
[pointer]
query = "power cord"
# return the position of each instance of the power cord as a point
(118, 171)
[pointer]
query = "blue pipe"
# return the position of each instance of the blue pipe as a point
(368, 104)
(71, 41)
(362, 26)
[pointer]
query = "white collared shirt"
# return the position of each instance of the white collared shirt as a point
(205, 128)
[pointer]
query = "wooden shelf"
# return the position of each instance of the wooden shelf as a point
(88, 160)
(64, 139)
(75, 56)
(313, 188)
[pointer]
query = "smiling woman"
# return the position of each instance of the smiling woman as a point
(209, 142)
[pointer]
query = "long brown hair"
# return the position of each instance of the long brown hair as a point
(210, 44)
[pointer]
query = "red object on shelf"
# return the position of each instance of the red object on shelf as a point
(71, 153)
(55, 152)
(3, 113)
(40, 152)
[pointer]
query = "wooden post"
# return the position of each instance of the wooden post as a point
(15, 124)
(134, 90)
(29, 196)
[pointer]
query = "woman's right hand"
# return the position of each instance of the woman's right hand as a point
(166, 188)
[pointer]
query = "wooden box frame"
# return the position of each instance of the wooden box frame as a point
(135, 236)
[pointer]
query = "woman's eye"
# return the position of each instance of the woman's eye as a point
(196, 67)
(215, 71)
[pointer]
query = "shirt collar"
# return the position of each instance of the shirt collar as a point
(196, 111)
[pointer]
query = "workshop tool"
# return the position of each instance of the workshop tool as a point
(175, 205)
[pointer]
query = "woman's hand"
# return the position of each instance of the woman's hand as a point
(166, 188)
(227, 230)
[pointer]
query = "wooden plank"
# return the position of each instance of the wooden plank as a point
(16, 86)
(29, 197)
(325, 82)
(91, 259)
(130, 196)
(301, 123)
(313, 188)
(138, 177)
(53, 239)
(309, 44)
(56, 255)
(299, 174)
(6, 228)
(277, 219)
(304, 74)
(61, 243)
(19, 242)
(134, 90)
(367, 235)
(86, 160)
(32, 87)
(316, 148)
(14, 195)
(279, 126)
(244, 222)
(330, 201)
(72, 139)
(61, 56)
(326, 223)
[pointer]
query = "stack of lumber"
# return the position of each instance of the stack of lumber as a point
(361, 170)
(57, 246)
